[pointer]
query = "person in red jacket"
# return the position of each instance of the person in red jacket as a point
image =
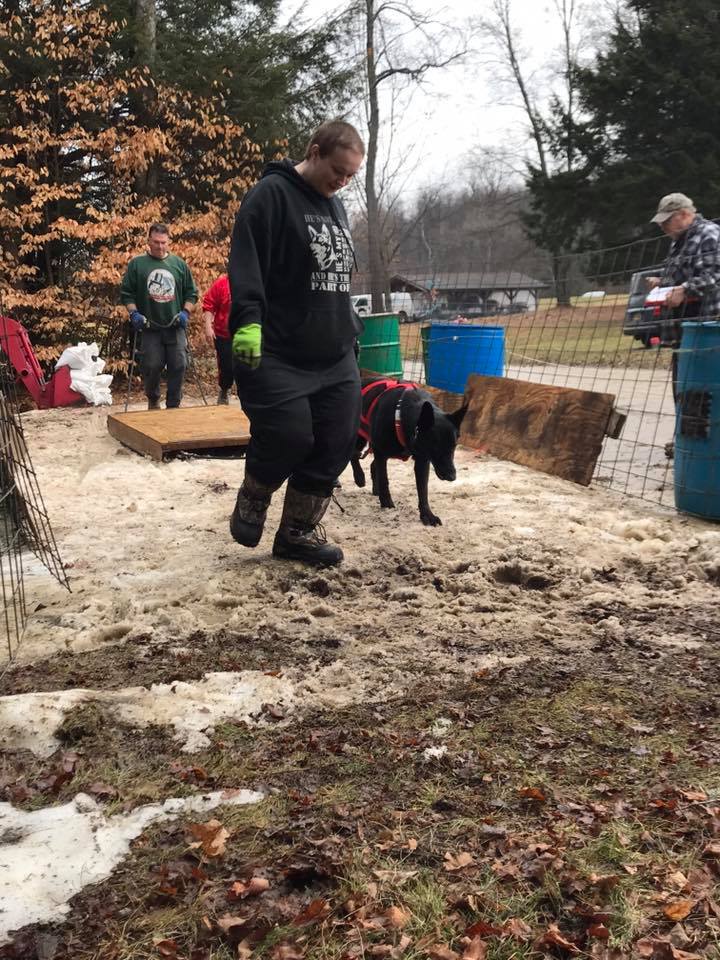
(216, 310)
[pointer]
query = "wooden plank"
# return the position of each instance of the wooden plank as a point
(556, 430)
(156, 433)
(447, 401)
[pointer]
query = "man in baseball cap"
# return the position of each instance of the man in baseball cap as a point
(692, 269)
(670, 205)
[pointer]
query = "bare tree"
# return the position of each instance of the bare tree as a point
(511, 68)
(389, 26)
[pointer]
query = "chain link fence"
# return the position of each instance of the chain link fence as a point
(585, 325)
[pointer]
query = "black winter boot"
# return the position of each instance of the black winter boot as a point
(248, 517)
(301, 536)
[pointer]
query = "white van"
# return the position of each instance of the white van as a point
(361, 304)
(402, 304)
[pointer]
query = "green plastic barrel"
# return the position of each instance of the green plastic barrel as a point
(380, 345)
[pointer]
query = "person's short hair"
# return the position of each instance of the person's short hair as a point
(333, 134)
(158, 228)
(670, 204)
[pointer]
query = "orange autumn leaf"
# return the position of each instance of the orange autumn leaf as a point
(678, 910)
(397, 917)
(532, 793)
(254, 886)
(211, 837)
(316, 910)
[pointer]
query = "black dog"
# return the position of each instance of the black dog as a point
(399, 421)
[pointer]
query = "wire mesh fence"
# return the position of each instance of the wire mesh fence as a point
(588, 326)
(24, 522)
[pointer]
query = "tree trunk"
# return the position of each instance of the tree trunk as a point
(377, 279)
(143, 104)
(145, 32)
(559, 271)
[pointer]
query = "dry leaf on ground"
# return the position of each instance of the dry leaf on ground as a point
(166, 948)
(440, 952)
(679, 909)
(515, 927)
(677, 879)
(397, 917)
(316, 910)
(227, 922)
(476, 949)
(239, 890)
(458, 861)
(554, 938)
(211, 837)
(532, 793)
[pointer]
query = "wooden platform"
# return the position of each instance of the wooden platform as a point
(157, 433)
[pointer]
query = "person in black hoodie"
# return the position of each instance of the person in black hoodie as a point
(293, 331)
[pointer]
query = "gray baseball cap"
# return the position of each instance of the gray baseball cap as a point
(670, 205)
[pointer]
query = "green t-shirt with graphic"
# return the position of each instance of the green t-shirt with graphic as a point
(158, 287)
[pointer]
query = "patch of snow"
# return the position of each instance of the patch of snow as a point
(434, 753)
(29, 721)
(524, 531)
(441, 727)
(47, 856)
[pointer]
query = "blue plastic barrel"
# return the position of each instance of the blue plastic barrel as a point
(455, 350)
(697, 420)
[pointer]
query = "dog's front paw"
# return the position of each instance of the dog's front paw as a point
(429, 519)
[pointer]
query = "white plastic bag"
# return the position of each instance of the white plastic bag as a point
(86, 376)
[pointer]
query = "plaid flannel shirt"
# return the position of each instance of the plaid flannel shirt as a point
(694, 262)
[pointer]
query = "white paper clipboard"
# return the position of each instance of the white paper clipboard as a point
(657, 295)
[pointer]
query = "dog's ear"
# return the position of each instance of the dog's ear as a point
(426, 420)
(457, 418)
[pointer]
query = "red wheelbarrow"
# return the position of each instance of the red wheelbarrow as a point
(55, 392)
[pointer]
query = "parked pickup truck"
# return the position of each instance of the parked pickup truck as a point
(649, 325)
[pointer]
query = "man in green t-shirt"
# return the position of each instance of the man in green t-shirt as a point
(159, 292)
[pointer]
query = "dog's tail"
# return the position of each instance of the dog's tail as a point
(357, 471)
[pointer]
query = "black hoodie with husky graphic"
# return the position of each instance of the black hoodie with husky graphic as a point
(291, 260)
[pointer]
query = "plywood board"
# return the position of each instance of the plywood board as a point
(156, 433)
(557, 430)
(447, 401)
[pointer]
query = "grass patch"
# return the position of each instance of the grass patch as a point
(587, 336)
(538, 800)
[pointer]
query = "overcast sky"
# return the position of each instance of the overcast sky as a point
(460, 109)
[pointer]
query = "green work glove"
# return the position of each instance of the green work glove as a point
(247, 345)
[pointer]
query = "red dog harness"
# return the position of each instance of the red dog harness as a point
(371, 394)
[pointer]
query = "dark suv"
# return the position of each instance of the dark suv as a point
(649, 325)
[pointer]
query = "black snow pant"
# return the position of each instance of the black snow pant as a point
(303, 423)
(160, 349)
(223, 349)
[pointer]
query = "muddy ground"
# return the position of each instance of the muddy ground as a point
(498, 737)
